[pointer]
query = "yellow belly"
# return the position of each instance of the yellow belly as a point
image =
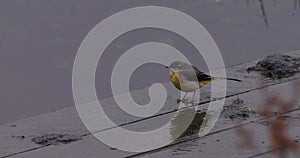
(203, 83)
(174, 79)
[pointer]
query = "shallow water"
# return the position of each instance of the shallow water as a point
(39, 40)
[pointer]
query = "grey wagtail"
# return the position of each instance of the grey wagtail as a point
(188, 78)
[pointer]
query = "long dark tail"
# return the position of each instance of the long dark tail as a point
(223, 78)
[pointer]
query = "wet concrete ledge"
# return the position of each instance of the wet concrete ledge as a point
(64, 127)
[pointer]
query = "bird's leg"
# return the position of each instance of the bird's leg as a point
(183, 99)
(184, 96)
(193, 97)
(192, 101)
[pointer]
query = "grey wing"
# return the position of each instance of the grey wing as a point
(189, 75)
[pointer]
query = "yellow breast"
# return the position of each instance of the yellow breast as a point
(174, 79)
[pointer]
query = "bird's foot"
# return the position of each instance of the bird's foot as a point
(186, 101)
(182, 100)
(193, 102)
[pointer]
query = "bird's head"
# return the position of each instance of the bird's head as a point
(178, 66)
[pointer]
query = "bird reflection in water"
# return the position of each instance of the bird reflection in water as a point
(179, 127)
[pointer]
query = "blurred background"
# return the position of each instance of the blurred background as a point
(39, 40)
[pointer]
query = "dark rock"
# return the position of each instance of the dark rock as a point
(277, 66)
(237, 110)
(19, 137)
(231, 117)
(55, 139)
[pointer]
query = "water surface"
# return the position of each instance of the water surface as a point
(39, 40)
